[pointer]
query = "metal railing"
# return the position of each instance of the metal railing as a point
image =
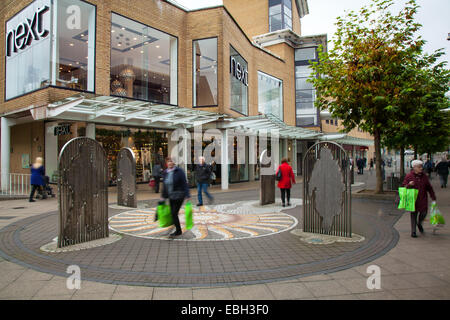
(17, 184)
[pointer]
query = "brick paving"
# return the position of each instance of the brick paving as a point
(278, 267)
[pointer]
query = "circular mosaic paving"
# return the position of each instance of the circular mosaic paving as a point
(210, 223)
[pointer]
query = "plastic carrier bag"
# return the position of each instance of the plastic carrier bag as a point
(188, 215)
(164, 215)
(408, 197)
(436, 218)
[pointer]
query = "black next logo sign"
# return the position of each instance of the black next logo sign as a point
(26, 32)
(238, 71)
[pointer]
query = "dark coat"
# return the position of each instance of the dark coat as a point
(421, 183)
(203, 173)
(37, 175)
(179, 183)
(442, 168)
(287, 175)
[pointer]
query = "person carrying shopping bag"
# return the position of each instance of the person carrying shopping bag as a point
(285, 185)
(37, 178)
(418, 180)
(176, 189)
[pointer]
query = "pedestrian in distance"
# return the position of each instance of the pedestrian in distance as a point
(442, 171)
(37, 178)
(285, 185)
(176, 189)
(428, 168)
(418, 180)
(371, 164)
(203, 173)
(157, 174)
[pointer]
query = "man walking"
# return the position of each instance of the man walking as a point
(203, 175)
(442, 171)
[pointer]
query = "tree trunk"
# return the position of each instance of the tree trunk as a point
(402, 163)
(377, 142)
(415, 152)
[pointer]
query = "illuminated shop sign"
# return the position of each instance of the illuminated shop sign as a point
(25, 32)
(238, 71)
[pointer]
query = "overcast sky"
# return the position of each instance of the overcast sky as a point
(434, 15)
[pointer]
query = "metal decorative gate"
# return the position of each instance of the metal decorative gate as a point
(82, 192)
(327, 190)
(126, 178)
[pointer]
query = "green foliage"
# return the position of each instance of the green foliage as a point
(377, 77)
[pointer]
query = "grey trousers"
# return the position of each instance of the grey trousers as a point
(414, 222)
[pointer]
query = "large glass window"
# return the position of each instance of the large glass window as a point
(305, 93)
(205, 72)
(27, 57)
(143, 62)
(270, 95)
(51, 43)
(239, 82)
(74, 58)
(280, 15)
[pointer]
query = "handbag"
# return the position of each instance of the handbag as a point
(164, 215)
(188, 215)
(279, 176)
(408, 197)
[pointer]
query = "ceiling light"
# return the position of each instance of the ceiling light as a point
(142, 51)
(82, 35)
(157, 46)
(135, 39)
(112, 31)
(70, 64)
(123, 28)
(71, 44)
(78, 62)
(159, 57)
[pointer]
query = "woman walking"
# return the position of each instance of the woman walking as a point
(418, 180)
(37, 178)
(176, 189)
(287, 175)
(442, 171)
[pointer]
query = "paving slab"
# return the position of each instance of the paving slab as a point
(212, 294)
(172, 294)
(252, 292)
(289, 291)
(326, 288)
(22, 290)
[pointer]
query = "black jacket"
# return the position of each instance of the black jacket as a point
(179, 183)
(442, 167)
(203, 173)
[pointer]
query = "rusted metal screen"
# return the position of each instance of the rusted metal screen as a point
(82, 192)
(126, 178)
(327, 190)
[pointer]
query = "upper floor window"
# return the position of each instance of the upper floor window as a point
(280, 15)
(143, 62)
(205, 72)
(270, 95)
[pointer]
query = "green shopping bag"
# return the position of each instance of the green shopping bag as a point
(164, 215)
(436, 217)
(402, 196)
(411, 197)
(188, 215)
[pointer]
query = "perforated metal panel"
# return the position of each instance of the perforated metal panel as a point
(327, 190)
(126, 178)
(82, 192)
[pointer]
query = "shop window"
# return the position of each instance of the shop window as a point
(306, 121)
(143, 62)
(305, 93)
(239, 82)
(205, 72)
(270, 95)
(280, 15)
(74, 63)
(39, 56)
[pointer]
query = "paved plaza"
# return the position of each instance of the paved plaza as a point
(237, 250)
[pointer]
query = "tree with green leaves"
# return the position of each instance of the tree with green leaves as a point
(419, 119)
(364, 77)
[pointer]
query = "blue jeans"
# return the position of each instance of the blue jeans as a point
(204, 187)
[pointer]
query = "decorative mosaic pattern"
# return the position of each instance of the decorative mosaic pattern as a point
(53, 246)
(210, 223)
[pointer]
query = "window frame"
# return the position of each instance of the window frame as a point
(193, 73)
(178, 68)
(282, 91)
(229, 61)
